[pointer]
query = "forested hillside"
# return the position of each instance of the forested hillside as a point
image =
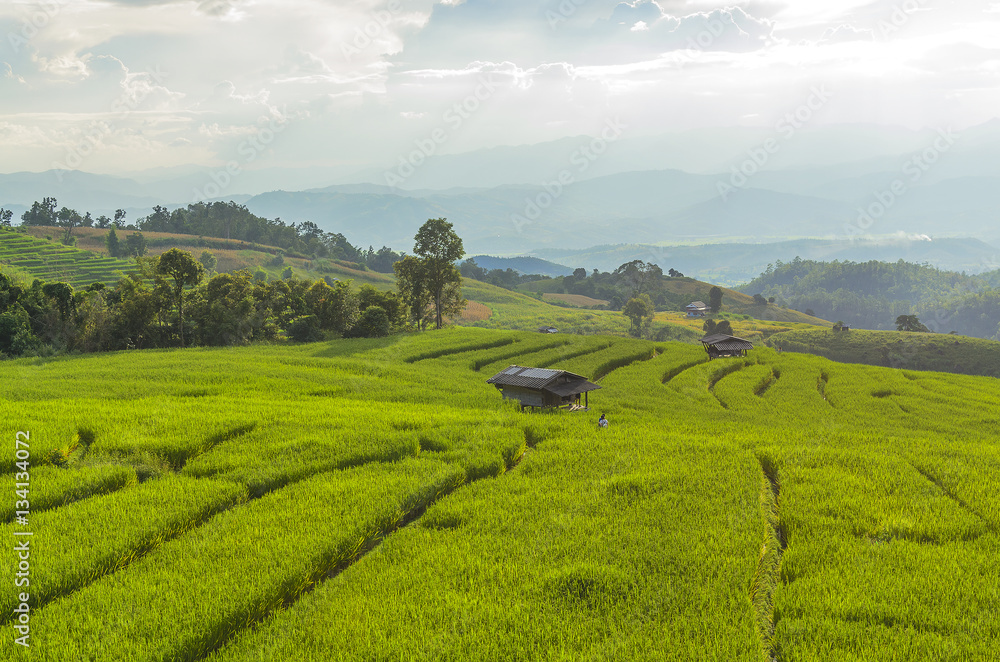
(873, 294)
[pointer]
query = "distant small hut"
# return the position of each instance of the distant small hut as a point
(720, 345)
(696, 309)
(548, 329)
(543, 388)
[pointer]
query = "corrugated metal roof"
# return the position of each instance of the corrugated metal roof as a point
(726, 342)
(534, 378)
(540, 373)
(697, 304)
(729, 345)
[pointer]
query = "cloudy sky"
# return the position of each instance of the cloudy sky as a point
(116, 86)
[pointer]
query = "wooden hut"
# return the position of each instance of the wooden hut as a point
(720, 345)
(696, 309)
(542, 387)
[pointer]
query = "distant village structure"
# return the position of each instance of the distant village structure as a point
(720, 345)
(548, 329)
(543, 388)
(696, 309)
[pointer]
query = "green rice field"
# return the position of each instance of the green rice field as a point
(378, 500)
(48, 261)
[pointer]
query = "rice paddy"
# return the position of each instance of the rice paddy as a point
(48, 261)
(377, 500)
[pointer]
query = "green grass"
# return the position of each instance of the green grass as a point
(897, 349)
(377, 499)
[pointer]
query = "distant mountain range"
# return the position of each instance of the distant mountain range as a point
(836, 183)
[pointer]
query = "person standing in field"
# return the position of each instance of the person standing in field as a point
(602, 422)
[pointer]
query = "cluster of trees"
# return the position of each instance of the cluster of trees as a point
(508, 279)
(229, 220)
(133, 246)
(45, 213)
(224, 220)
(169, 302)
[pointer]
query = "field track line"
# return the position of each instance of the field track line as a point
(517, 351)
(954, 497)
(677, 370)
(768, 382)
(210, 443)
(139, 553)
(722, 374)
(767, 577)
(603, 370)
(572, 355)
(460, 349)
(364, 550)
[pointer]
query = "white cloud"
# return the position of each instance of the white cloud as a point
(846, 32)
(196, 76)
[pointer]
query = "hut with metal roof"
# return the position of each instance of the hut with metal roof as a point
(719, 345)
(542, 387)
(696, 309)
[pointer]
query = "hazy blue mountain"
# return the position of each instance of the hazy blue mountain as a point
(734, 263)
(523, 265)
(640, 189)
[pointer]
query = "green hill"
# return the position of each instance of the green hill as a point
(50, 261)
(379, 500)
(511, 310)
(231, 256)
(913, 351)
(676, 293)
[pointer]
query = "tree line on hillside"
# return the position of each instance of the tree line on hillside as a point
(169, 303)
(875, 295)
(223, 220)
(172, 300)
(629, 281)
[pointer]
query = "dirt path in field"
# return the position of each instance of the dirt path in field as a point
(767, 578)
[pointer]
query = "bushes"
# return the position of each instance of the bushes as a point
(374, 323)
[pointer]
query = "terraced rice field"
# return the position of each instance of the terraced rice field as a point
(49, 261)
(377, 500)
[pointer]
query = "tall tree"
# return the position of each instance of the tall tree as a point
(715, 299)
(135, 245)
(5, 216)
(184, 270)
(639, 311)
(412, 288)
(114, 245)
(439, 247)
(638, 277)
(208, 260)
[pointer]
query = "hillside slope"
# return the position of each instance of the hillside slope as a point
(914, 351)
(31, 258)
(231, 255)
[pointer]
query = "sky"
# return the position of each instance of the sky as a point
(120, 86)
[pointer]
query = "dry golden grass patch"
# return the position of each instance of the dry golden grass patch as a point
(474, 312)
